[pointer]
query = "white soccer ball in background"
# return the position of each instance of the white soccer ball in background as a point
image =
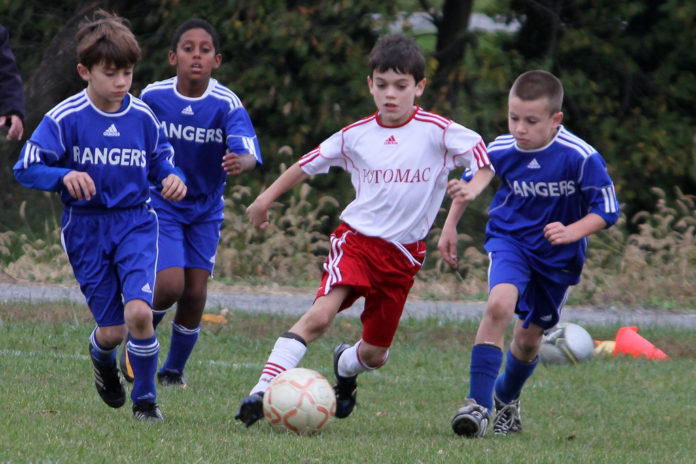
(566, 343)
(301, 401)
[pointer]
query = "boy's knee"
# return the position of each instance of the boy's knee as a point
(138, 312)
(499, 309)
(112, 335)
(373, 356)
(166, 295)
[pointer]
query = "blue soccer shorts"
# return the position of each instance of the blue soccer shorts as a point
(189, 231)
(113, 254)
(540, 299)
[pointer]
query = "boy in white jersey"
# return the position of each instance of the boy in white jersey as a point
(213, 137)
(399, 159)
(555, 192)
(100, 150)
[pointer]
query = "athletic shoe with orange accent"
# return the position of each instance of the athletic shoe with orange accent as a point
(124, 362)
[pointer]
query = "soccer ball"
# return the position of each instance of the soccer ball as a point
(566, 343)
(301, 401)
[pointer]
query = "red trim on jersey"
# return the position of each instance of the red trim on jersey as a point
(440, 121)
(309, 157)
(416, 109)
(361, 122)
(481, 155)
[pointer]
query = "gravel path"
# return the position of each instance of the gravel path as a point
(296, 305)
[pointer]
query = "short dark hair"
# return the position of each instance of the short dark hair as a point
(196, 23)
(106, 38)
(536, 84)
(399, 53)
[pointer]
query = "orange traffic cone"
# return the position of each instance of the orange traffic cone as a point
(629, 342)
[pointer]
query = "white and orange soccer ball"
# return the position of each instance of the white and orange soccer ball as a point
(301, 401)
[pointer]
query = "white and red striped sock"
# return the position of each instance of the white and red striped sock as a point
(287, 354)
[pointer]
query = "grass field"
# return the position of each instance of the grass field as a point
(615, 410)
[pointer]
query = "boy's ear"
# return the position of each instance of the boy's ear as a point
(420, 87)
(557, 118)
(172, 58)
(83, 71)
(218, 60)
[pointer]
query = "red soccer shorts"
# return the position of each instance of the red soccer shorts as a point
(382, 272)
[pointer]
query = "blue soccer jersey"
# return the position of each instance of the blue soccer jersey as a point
(123, 152)
(561, 182)
(201, 129)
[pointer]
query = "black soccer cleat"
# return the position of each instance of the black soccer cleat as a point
(471, 420)
(171, 378)
(507, 417)
(147, 411)
(346, 388)
(251, 409)
(124, 362)
(108, 383)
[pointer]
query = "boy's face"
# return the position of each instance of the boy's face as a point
(195, 56)
(531, 123)
(394, 95)
(106, 84)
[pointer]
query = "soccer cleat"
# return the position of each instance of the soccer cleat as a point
(108, 383)
(346, 388)
(507, 417)
(147, 411)
(171, 378)
(124, 362)
(471, 420)
(251, 409)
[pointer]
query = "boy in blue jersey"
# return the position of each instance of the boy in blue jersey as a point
(213, 137)
(555, 193)
(100, 150)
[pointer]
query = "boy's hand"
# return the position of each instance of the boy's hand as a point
(16, 129)
(173, 188)
(448, 245)
(460, 189)
(234, 164)
(558, 234)
(80, 185)
(258, 215)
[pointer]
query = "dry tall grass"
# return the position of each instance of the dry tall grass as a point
(653, 267)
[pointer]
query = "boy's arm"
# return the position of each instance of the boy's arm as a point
(234, 164)
(448, 238)
(558, 234)
(468, 191)
(462, 193)
(257, 212)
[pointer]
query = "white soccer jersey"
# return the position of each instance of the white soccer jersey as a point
(399, 173)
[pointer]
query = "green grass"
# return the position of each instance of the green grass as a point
(616, 410)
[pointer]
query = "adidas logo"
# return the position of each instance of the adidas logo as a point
(187, 111)
(146, 288)
(534, 164)
(546, 318)
(391, 141)
(111, 131)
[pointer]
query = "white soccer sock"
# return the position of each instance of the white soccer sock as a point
(287, 354)
(349, 364)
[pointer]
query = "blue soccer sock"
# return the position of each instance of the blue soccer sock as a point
(104, 356)
(485, 365)
(157, 317)
(509, 385)
(181, 347)
(143, 353)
